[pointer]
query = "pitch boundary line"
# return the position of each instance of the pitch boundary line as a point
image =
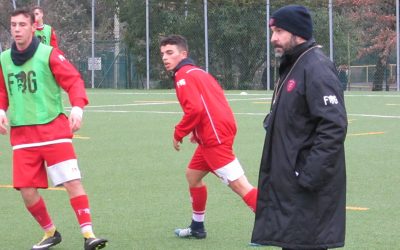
(50, 188)
(367, 133)
(357, 208)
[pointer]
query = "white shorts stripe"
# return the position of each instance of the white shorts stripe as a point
(38, 144)
(64, 171)
(230, 172)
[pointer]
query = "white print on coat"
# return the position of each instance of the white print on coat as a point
(330, 99)
(181, 83)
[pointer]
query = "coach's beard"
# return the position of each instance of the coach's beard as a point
(278, 52)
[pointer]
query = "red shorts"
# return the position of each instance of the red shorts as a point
(219, 160)
(29, 165)
(212, 158)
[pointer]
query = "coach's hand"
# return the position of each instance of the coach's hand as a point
(75, 118)
(177, 145)
(3, 122)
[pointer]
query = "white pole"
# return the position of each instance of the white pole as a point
(398, 45)
(268, 48)
(330, 31)
(14, 4)
(186, 9)
(116, 46)
(38, 2)
(206, 33)
(147, 47)
(93, 9)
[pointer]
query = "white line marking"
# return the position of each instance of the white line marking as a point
(132, 104)
(235, 94)
(377, 116)
(171, 93)
(240, 113)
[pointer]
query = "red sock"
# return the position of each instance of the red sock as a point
(251, 199)
(80, 204)
(39, 212)
(199, 199)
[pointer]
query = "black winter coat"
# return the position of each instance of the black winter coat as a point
(302, 181)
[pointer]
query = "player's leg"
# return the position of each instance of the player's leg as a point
(195, 173)
(29, 174)
(62, 167)
(198, 196)
(244, 189)
(228, 168)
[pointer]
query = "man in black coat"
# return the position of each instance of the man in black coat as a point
(302, 181)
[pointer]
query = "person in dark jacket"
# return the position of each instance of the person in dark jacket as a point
(302, 181)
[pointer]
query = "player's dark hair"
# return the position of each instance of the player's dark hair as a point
(177, 40)
(37, 7)
(24, 11)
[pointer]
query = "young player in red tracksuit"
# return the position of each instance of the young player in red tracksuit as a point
(31, 78)
(209, 121)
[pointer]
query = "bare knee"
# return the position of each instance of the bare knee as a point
(74, 188)
(30, 196)
(241, 186)
(195, 177)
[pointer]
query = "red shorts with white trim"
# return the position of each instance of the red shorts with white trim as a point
(219, 160)
(33, 165)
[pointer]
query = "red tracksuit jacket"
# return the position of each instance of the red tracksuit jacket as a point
(206, 110)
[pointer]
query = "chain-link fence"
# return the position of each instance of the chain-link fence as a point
(229, 39)
(234, 47)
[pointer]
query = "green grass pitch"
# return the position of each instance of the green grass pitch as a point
(137, 188)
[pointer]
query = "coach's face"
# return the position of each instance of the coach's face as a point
(171, 56)
(22, 30)
(282, 40)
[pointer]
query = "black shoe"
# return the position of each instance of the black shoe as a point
(48, 242)
(95, 243)
(189, 232)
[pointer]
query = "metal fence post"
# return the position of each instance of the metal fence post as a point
(397, 46)
(205, 34)
(268, 46)
(116, 46)
(147, 47)
(93, 9)
(330, 31)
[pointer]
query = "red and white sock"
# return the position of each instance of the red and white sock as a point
(39, 212)
(80, 205)
(251, 199)
(198, 197)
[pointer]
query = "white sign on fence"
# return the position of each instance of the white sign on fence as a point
(94, 64)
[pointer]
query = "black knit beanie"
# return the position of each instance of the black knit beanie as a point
(293, 18)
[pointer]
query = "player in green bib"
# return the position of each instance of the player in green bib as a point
(44, 32)
(40, 92)
(32, 75)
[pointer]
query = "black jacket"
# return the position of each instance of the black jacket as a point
(302, 180)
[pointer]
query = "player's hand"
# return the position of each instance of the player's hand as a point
(3, 122)
(193, 138)
(177, 145)
(75, 118)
